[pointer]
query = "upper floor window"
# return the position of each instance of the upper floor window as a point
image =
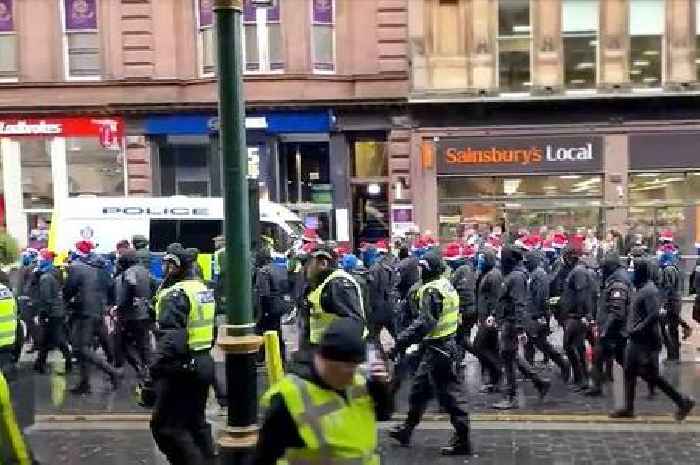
(81, 39)
(8, 42)
(207, 44)
(646, 39)
(263, 50)
(697, 38)
(514, 38)
(580, 39)
(323, 35)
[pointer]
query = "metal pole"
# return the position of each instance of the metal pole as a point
(237, 340)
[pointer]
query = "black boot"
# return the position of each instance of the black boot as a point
(401, 433)
(543, 388)
(508, 403)
(683, 411)
(565, 371)
(82, 388)
(622, 413)
(458, 446)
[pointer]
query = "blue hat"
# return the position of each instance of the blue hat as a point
(349, 262)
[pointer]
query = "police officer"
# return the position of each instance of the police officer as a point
(489, 287)
(435, 329)
(133, 297)
(182, 368)
(644, 344)
(537, 324)
(52, 312)
(670, 294)
(272, 294)
(8, 329)
(14, 450)
(576, 306)
(382, 283)
(331, 293)
(328, 413)
(510, 317)
(610, 320)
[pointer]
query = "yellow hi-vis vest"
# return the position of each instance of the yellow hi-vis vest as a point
(13, 449)
(200, 325)
(335, 430)
(319, 320)
(8, 317)
(449, 318)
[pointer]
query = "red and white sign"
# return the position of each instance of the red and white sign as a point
(109, 130)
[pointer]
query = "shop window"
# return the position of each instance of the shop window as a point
(81, 39)
(8, 42)
(262, 36)
(646, 39)
(93, 169)
(206, 39)
(370, 213)
(697, 39)
(323, 35)
(186, 166)
(307, 172)
(580, 39)
(370, 159)
(666, 187)
(36, 176)
(514, 41)
(572, 185)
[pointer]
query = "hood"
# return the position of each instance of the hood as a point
(510, 259)
(642, 272)
(533, 259)
(611, 262)
(488, 262)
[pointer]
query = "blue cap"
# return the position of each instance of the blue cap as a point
(349, 262)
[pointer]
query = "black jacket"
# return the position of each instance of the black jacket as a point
(382, 284)
(615, 300)
(134, 293)
(577, 294)
(279, 431)
(49, 298)
(670, 285)
(489, 286)
(464, 281)
(272, 291)
(513, 301)
(643, 318)
(409, 274)
(538, 293)
(88, 287)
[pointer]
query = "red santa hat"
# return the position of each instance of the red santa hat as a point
(559, 241)
(452, 251)
(46, 255)
(309, 247)
(310, 235)
(469, 250)
(533, 242)
(84, 247)
(576, 241)
(382, 246)
(341, 251)
(547, 246)
(666, 236)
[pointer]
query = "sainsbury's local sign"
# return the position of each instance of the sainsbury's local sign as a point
(476, 155)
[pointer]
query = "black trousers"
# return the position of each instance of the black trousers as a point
(669, 330)
(641, 361)
(537, 338)
(437, 376)
(28, 315)
(575, 349)
(605, 350)
(487, 351)
(53, 337)
(84, 331)
(132, 342)
(7, 363)
(178, 422)
(511, 358)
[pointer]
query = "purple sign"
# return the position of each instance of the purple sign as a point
(7, 21)
(273, 13)
(249, 11)
(323, 11)
(81, 14)
(206, 13)
(402, 214)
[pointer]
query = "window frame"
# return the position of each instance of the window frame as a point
(15, 78)
(64, 44)
(263, 41)
(574, 35)
(662, 52)
(199, 29)
(499, 37)
(333, 26)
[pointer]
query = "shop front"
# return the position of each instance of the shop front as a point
(514, 183)
(46, 160)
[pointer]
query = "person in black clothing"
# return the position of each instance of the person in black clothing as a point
(340, 352)
(87, 290)
(510, 319)
(23, 286)
(489, 285)
(409, 272)
(437, 371)
(576, 306)
(143, 254)
(670, 294)
(133, 296)
(51, 310)
(272, 296)
(537, 322)
(642, 328)
(610, 319)
(382, 284)
(463, 279)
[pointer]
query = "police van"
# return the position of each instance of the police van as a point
(192, 221)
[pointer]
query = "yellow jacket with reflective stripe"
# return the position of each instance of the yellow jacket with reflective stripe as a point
(336, 430)
(319, 320)
(13, 449)
(8, 317)
(200, 325)
(449, 318)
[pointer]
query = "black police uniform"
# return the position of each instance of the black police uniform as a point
(642, 352)
(537, 321)
(511, 317)
(610, 319)
(670, 293)
(489, 287)
(52, 314)
(437, 373)
(181, 380)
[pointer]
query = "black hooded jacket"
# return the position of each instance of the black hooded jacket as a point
(577, 293)
(614, 304)
(489, 287)
(513, 300)
(464, 281)
(538, 286)
(88, 287)
(643, 319)
(134, 290)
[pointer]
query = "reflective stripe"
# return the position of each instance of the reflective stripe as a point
(9, 430)
(201, 323)
(319, 320)
(7, 318)
(313, 413)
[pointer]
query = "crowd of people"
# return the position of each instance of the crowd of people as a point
(414, 302)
